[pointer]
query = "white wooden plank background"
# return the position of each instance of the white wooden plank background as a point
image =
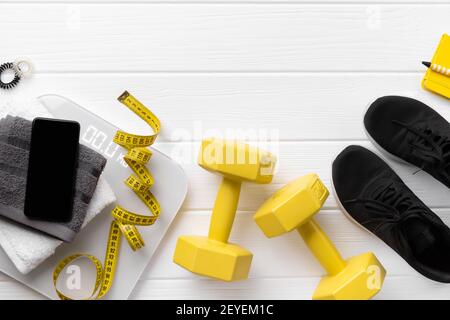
(303, 68)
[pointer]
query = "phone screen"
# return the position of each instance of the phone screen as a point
(52, 169)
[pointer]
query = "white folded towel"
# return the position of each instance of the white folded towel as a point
(27, 248)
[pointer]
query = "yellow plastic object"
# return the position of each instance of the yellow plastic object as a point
(213, 256)
(435, 81)
(236, 160)
(291, 206)
(322, 247)
(361, 279)
(294, 207)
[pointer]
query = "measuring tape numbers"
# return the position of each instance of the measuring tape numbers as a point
(124, 222)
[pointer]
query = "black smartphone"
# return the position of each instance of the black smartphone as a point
(52, 169)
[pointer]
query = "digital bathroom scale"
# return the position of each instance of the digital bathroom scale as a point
(170, 189)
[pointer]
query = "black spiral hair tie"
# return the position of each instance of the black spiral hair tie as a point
(9, 85)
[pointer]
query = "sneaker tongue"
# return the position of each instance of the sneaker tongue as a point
(420, 236)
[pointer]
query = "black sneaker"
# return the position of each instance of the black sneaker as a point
(412, 131)
(370, 193)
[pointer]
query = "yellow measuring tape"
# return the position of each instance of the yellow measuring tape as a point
(124, 222)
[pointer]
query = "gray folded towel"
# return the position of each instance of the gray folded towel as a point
(15, 138)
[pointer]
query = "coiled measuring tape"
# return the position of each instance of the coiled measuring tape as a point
(124, 221)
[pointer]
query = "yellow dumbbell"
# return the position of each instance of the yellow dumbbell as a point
(293, 207)
(213, 256)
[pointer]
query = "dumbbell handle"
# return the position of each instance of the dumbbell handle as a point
(224, 210)
(322, 247)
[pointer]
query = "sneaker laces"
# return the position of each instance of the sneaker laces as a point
(431, 147)
(390, 208)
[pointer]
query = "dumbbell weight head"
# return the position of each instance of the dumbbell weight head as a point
(361, 279)
(213, 256)
(294, 207)
(236, 160)
(291, 206)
